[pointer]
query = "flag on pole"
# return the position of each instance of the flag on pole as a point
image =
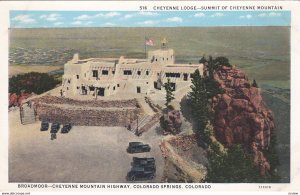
(149, 42)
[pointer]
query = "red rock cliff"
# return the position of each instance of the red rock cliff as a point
(241, 116)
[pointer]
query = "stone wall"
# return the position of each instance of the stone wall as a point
(89, 103)
(87, 117)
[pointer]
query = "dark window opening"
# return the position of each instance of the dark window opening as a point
(164, 59)
(147, 83)
(95, 73)
(114, 88)
(67, 88)
(139, 72)
(167, 59)
(92, 88)
(127, 72)
(104, 72)
(77, 87)
(118, 85)
(113, 72)
(69, 81)
(138, 89)
(77, 76)
(156, 59)
(100, 91)
(147, 72)
(176, 75)
(185, 77)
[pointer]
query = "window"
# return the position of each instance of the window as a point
(185, 77)
(77, 76)
(139, 72)
(114, 88)
(104, 72)
(118, 85)
(147, 72)
(95, 73)
(113, 72)
(77, 87)
(127, 72)
(176, 75)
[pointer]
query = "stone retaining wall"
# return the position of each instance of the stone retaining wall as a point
(87, 117)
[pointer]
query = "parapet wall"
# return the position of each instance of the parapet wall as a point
(87, 113)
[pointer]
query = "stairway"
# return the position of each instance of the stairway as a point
(27, 114)
(140, 123)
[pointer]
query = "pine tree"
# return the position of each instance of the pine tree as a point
(169, 93)
(199, 102)
(254, 84)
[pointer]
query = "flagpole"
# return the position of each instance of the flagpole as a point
(145, 48)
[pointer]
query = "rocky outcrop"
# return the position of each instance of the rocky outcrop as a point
(241, 116)
(16, 100)
(173, 122)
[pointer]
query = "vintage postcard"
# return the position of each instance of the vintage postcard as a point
(149, 96)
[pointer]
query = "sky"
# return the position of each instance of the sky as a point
(66, 19)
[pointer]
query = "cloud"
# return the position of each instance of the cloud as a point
(271, 14)
(148, 22)
(24, 19)
(146, 14)
(111, 14)
(199, 15)
(174, 19)
(262, 15)
(58, 23)
(109, 24)
(100, 15)
(274, 14)
(50, 17)
(77, 22)
(218, 14)
(248, 16)
(83, 17)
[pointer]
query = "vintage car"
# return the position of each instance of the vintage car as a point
(66, 128)
(140, 173)
(143, 161)
(137, 147)
(44, 126)
(55, 127)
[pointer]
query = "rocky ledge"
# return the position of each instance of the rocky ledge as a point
(241, 117)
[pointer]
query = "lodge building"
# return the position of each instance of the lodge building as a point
(108, 76)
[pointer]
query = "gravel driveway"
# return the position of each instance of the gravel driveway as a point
(85, 154)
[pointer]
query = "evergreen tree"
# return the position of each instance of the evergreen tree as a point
(232, 166)
(254, 84)
(169, 93)
(199, 102)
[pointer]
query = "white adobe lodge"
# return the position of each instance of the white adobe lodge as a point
(106, 76)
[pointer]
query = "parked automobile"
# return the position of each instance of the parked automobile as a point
(143, 161)
(44, 126)
(55, 127)
(139, 173)
(146, 167)
(66, 128)
(137, 147)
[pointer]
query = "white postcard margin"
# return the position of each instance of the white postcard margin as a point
(293, 6)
